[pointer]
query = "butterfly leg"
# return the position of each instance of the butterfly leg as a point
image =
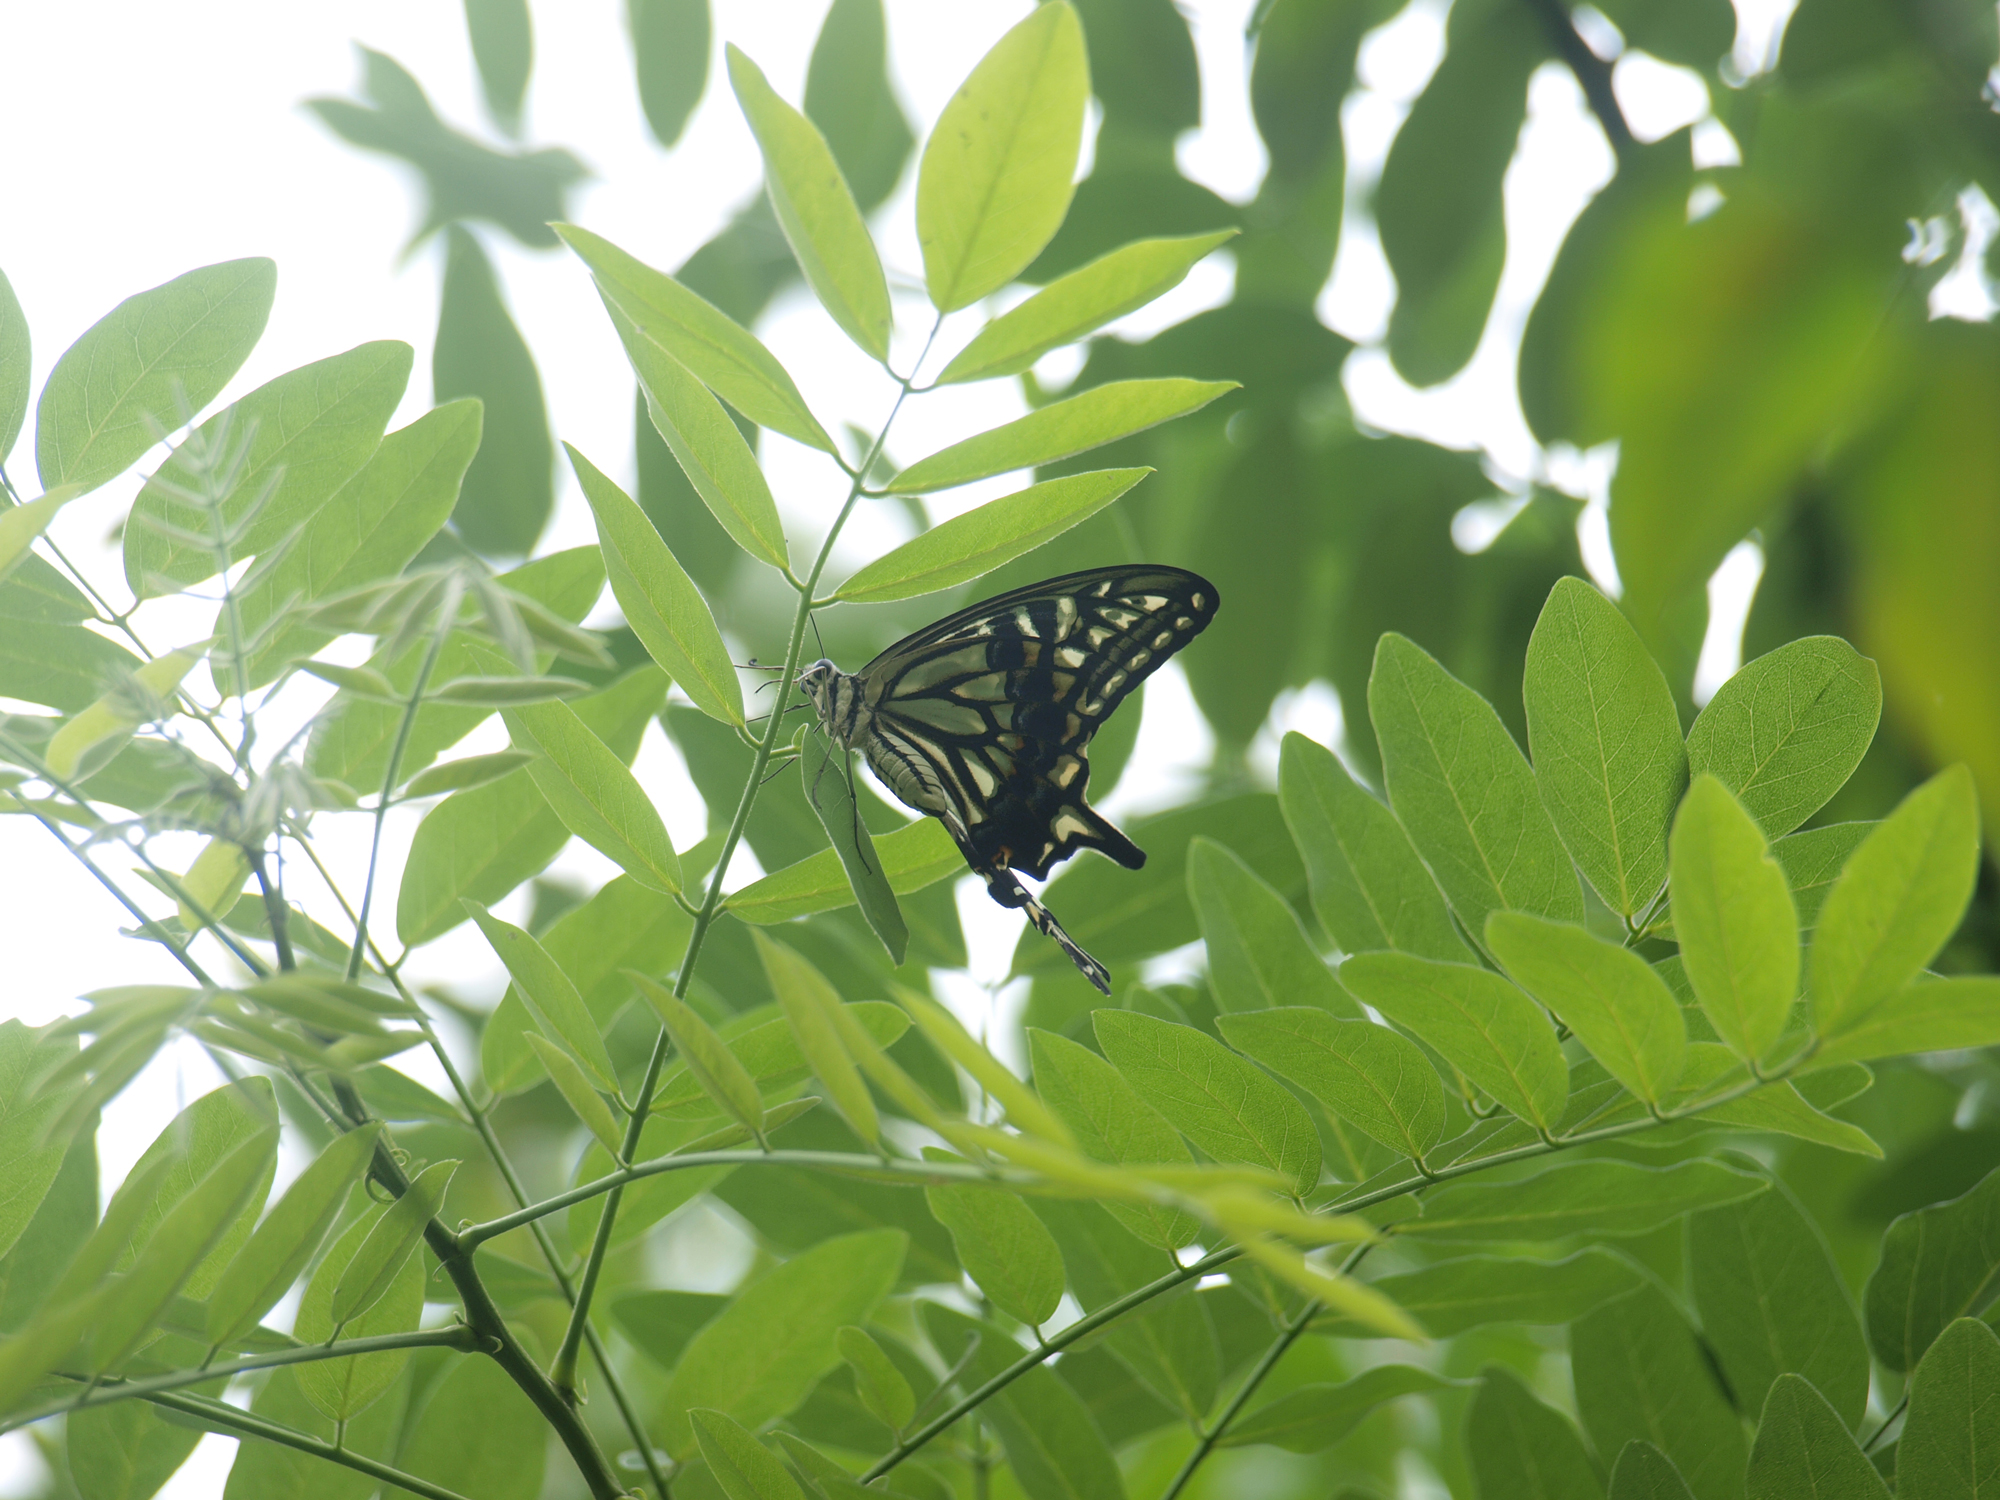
(1006, 888)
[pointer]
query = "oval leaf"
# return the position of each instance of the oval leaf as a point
(720, 1073)
(390, 1243)
(1379, 1082)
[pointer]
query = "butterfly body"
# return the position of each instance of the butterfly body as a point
(984, 719)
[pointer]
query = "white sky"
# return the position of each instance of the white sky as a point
(150, 139)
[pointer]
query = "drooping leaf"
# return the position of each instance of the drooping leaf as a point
(670, 55)
(824, 766)
(881, 1386)
(1376, 1080)
(1059, 430)
(1464, 793)
(709, 1061)
(995, 179)
(1787, 730)
(177, 342)
(549, 994)
(912, 858)
(770, 1054)
(578, 1092)
(1024, 1109)
(809, 1002)
(1006, 1250)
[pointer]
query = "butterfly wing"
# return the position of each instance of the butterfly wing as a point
(985, 718)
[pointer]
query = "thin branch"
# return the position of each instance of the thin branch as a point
(105, 1391)
(1592, 72)
(1887, 1422)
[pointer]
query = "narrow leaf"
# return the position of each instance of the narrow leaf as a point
(1258, 953)
(878, 1382)
(808, 1001)
(709, 1061)
(1473, 1291)
(474, 770)
(578, 1093)
(1352, 1299)
(507, 692)
(551, 998)
(373, 1270)
(1024, 1110)
(1589, 1197)
(914, 857)
(829, 788)
(744, 1467)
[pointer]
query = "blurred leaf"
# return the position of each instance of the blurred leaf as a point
(503, 45)
(1948, 1442)
(658, 315)
(661, 1323)
(1315, 1417)
(1146, 77)
(670, 46)
(1812, 861)
(816, 210)
(47, 1244)
(1786, 731)
(1365, 1074)
(809, 1002)
(762, 1355)
(994, 182)
(1077, 304)
(744, 1467)
(178, 342)
(1602, 1197)
(550, 996)
(28, 1165)
(1606, 994)
(1473, 1291)
(302, 436)
(368, 1277)
(1229, 1108)
(878, 1382)
(1464, 793)
(1898, 899)
(849, 98)
(1640, 1373)
(832, 800)
(473, 770)
(478, 1434)
(510, 489)
(1258, 953)
(1926, 1015)
(915, 856)
(770, 1053)
(148, 692)
(270, 1471)
(973, 544)
(1025, 1111)
(1008, 1252)
(1098, 416)
(1772, 1303)
(189, 1149)
(522, 193)
(1438, 205)
(578, 1093)
(1805, 1452)
(1052, 1445)
(1734, 919)
(647, 1201)
(14, 367)
(1694, 33)
(1938, 1264)
(1369, 888)
(1130, 195)
(1522, 1450)
(1606, 741)
(708, 1060)
(125, 1451)
(21, 524)
(1479, 1022)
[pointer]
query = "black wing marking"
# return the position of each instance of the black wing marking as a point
(990, 711)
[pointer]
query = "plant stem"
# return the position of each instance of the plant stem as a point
(1593, 74)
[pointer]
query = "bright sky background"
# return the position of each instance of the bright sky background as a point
(153, 139)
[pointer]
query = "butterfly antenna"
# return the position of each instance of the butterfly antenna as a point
(817, 637)
(854, 804)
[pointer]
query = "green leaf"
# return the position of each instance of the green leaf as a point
(769, 1053)
(1786, 731)
(63, 666)
(1598, 1197)
(913, 857)
(848, 95)
(507, 692)
(1078, 304)
(503, 46)
(762, 1355)
(1643, 1472)
(658, 314)
(1929, 1015)
(1472, 1291)
(878, 1382)
(1898, 899)
(179, 342)
(1812, 862)
(1641, 1374)
(661, 603)
(288, 1238)
(1101, 415)
(645, 1202)
(995, 180)
(710, 1063)
(1369, 888)
(478, 1434)
(1377, 1081)
(1024, 1110)
(809, 1003)
(269, 1471)
(1479, 1022)
(1734, 919)
(597, 798)
(1313, 1418)
(1772, 1303)
(28, 1165)
(126, 1451)
(816, 210)
(198, 1139)
(1112, 1124)
(578, 1092)
(185, 1236)
(1950, 1447)
(661, 1323)
(971, 545)
(550, 996)
(372, 1271)
(370, 529)
(304, 435)
(670, 46)
(14, 366)
(744, 1467)
(1052, 1443)
(1258, 953)
(473, 770)
(1805, 1452)
(829, 788)
(1520, 1449)
(1461, 789)
(1938, 1264)
(1221, 1102)
(21, 524)
(1606, 741)
(1606, 994)
(1005, 1249)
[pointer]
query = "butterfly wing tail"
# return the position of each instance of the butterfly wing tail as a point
(1046, 924)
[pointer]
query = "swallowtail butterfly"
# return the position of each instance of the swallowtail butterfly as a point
(984, 719)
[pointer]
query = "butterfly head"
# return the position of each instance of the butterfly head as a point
(817, 682)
